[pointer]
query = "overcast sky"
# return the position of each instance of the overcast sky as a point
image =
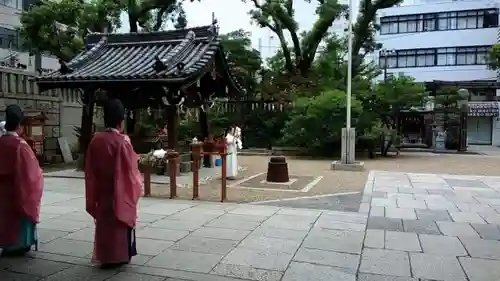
(233, 15)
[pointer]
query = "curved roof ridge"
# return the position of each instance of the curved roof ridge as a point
(82, 58)
(172, 58)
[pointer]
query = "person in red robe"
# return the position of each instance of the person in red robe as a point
(113, 185)
(21, 188)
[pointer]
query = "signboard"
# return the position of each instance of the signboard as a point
(483, 109)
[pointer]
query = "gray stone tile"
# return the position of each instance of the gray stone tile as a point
(62, 258)
(232, 223)
(205, 245)
(254, 218)
(62, 225)
(341, 225)
(410, 203)
(77, 216)
(293, 212)
(402, 241)
(481, 270)
(14, 276)
(68, 247)
(280, 233)
(441, 205)
(289, 222)
(385, 223)
(38, 267)
(420, 226)
(162, 234)
(176, 275)
(473, 207)
(149, 218)
(479, 248)
(436, 267)
(258, 259)
(181, 260)
(490, 217)
(466, 217)
(335, 240)
(164, 208)
(81, 273)
(385, 262)
(349, 261)
(221, 233)
(377, 277)
(306, 271)
(85, 234)
(487, 231)
(400, 213)
(377, 211)
(245, 272)
(456, 229)
(255, 210)
(126, 276)
(47, 235)
(267, 244)
(375, 238)
(150, 247)
(140, 259)
(433, 215)
(188, 224)
(343, 217)
(442, 245)
(466, 183)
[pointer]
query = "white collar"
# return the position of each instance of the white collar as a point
(11, 133)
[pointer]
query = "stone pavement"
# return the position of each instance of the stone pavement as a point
(410, 227)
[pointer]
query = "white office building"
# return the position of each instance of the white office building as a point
(12, 54)
(447, 41)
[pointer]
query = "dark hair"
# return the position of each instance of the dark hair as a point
(228, 130)
(13, 117)
(114, 113)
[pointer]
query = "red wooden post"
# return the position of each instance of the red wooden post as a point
(223, 155)
(172, 168)
(196, 149)
(147, 181)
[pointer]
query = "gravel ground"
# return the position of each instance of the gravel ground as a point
(340, 181)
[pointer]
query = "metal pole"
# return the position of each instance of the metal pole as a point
(349, 67)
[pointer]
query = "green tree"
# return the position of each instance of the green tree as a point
(390, 98)
(244, 61)
(315, 123)
(278, 16)
(493, 57)
(59, 27)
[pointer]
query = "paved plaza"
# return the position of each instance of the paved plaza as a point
(409, 227)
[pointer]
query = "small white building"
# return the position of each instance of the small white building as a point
(446, 41)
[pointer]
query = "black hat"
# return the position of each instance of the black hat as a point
(114, 113)
(13, 117)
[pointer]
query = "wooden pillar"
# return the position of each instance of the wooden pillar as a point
(203, 122)
(87, 122)
(172, 157)
(196, 149)
(172, 127)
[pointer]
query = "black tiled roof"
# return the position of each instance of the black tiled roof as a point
(172, 56)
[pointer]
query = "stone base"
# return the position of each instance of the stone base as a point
(356, 166)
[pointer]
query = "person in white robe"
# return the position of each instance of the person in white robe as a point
(2, 128)
(232, 157)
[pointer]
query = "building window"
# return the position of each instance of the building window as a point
(435, 57)
(473, 19)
